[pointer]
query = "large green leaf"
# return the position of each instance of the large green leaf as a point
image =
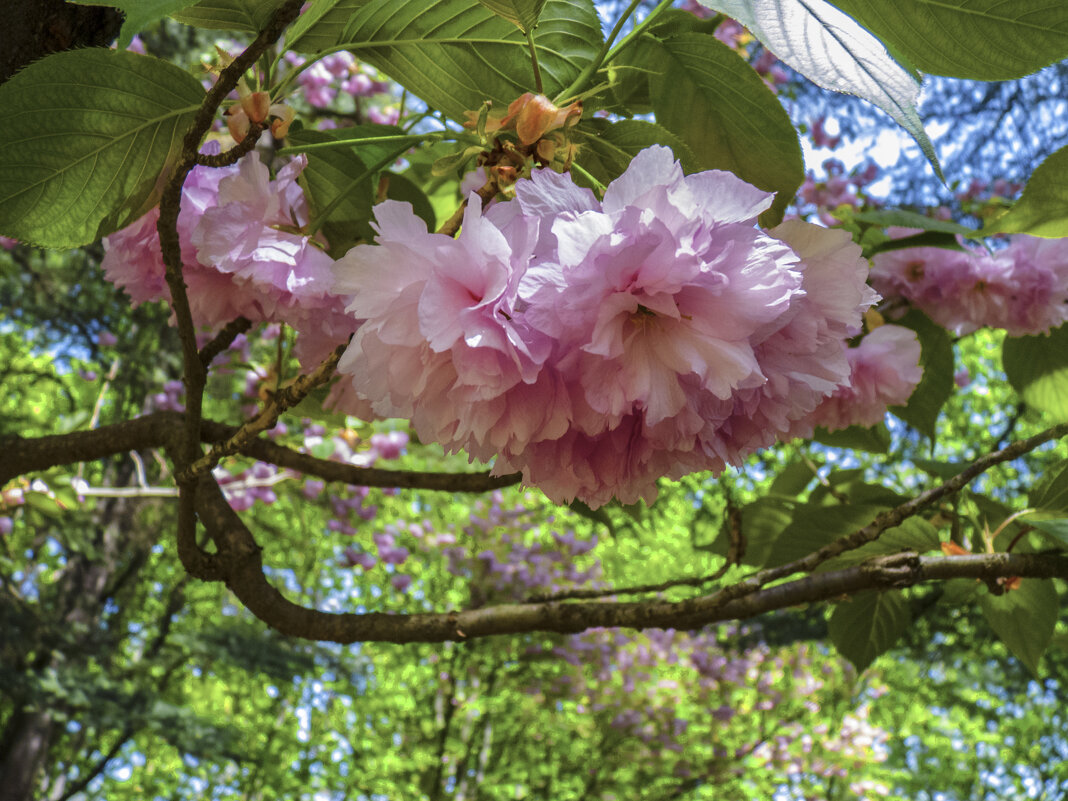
(137, 14)
(868, 624)
(1042, 209)
(341, 181)
(936, 386)
(454, 54)
(986, 40)
(814, 526)
(1037, 368)
(830, 49)
(88, 137)
(606, 148)
(713, 100)
(911, 219)
(231, 15)
(1024, 619)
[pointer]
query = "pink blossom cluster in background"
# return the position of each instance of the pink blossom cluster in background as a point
(884, 371)
(240, 254)
(1022, 288)
(597, 346)
(337, 76)
(822, 197)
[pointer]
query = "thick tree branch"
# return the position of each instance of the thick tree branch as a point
(19, 456)
(244, 576)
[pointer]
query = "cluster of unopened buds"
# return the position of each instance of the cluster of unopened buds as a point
(257, 108)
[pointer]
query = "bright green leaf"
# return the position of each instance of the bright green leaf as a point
(88, 137)
(455, 54)
(713, 100)
(985, 40)
(830, 49)
(1042, 209)
(1037, 368)
(1055, 529)
(230, 15)
(936, 386)
(1050, 493)
(868, 625)
(523, 13)
(1024, 619)
(911, 219)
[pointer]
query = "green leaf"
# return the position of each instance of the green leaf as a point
(1055, 529)
(793, 479)
(523, 13)
(137, 14)
(763, 521)
(868, 625)
(875, 439)
(88, 137)
(814, 526)
(334, 187)
(914, 534)
(934, 239)
(607, 148)
(455, 54)
(885, 218)
(1042, 209)
(1050, 493)
(830, 49)
(1037, 368)
(985, 40)
(405, 189)
(713, 100)
(936, 386)
(250, 16)
(1024, 619)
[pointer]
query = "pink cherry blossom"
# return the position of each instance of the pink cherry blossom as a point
(1022, 288)
(597, 346)
(241, 254)
(884, 371)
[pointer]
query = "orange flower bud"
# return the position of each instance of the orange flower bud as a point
(256, 105)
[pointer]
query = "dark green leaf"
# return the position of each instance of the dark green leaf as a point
(874, 440)
(793, 479)
(1024, 619)
(137, 14)
(606, 148)
(868, 625)
(88, 137)
(713, 100)
(986, 40)
(936, 386)
(813, 527)
(250, 16)
(1037, 368)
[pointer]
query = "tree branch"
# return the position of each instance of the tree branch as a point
(19, 455)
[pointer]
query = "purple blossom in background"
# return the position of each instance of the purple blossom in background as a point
(7, 525)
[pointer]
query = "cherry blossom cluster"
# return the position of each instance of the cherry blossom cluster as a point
(599, 345)
(1022, 288)
(242, 255)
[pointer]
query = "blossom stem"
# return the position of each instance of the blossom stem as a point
(607, 51)
(534, 62)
